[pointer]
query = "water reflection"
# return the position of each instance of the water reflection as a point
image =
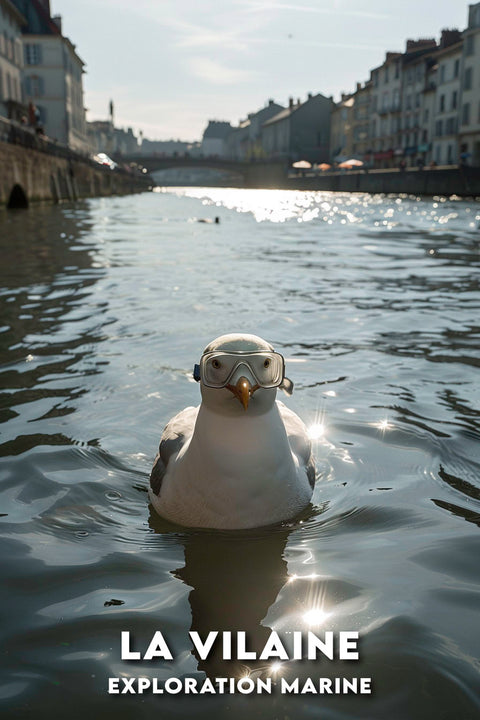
(47, 281)
(234, 581)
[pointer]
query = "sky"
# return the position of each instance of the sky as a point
(170, 66)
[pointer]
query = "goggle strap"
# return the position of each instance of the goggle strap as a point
(287, 386)
(196, 373)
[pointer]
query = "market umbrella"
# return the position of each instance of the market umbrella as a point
(324, 166)
(302, 164)
(351, 163)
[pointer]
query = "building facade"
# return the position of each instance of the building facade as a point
(214, 140)
(341, 129)
(447, 103)
(361, 121)
(300, 132)
(469, 106)
(11, 61)
(385, 110)
(244, 142)
(53, 76)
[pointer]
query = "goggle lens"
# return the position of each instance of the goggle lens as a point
(217, 368)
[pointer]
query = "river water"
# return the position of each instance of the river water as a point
(106, 305)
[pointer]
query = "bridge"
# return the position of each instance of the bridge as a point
(258, 174)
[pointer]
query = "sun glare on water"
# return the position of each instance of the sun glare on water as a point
(316, 431)
(315, 617)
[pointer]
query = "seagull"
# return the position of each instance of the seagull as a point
(241, 459)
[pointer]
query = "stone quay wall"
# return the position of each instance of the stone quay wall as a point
(462, 180)
(32, 169)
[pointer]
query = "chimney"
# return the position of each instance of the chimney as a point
(57, 19)
(46, 6)
(298, 101)
(310, 96)
(290, 102)
(421, 44)
(270, 102)
(450, 37)
(359, 86)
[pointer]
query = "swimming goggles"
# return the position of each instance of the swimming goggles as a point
(216, 369)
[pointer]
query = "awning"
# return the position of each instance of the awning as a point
(386, 155)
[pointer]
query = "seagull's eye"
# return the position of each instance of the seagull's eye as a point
(216, 364)
(267, 363)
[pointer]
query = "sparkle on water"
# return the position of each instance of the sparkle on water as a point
(315, 617)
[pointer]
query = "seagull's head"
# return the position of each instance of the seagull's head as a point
(241, 373)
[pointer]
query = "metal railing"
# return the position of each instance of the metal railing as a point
(16, 134)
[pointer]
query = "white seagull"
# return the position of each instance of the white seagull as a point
(241, 459)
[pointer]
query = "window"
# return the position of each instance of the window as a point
(408, 103)
(417, 100)
(33, 54)
(442, 103)
(456, 68)
(477, 120)
(396, 99)
(439, 128)
(397, 70)
(386, 74)
(1, 84)
(466, 114)
(469, 45)
(442, 73)
(451, 126)
(454, 100)
(450, 154)
(425, 115)
(467, 79)
(34, 86)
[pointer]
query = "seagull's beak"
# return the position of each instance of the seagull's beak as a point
(242, 390)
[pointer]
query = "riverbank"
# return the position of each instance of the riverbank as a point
(463, 181)
(34, 168)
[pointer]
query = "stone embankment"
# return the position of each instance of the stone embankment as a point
(34, 168)
(452, 180)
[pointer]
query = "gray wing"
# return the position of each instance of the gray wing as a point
(299, 440)
(176, 433)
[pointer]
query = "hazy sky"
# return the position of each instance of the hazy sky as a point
(172, 65)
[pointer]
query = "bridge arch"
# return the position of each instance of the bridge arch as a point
(18, 198)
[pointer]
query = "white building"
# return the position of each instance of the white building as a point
(447, 102)
(53, 75)
(53, 83)
(11, 22)
(469, 107)
(385, 109)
